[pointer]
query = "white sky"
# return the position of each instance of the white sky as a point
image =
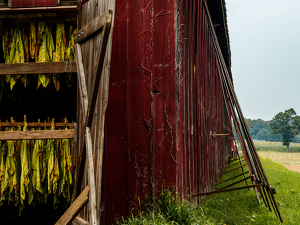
(265, 52)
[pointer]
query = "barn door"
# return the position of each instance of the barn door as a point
(93, 50)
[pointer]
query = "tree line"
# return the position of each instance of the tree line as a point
(284, 127)
(260, 129)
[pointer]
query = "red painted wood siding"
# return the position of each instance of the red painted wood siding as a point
(202, 111)
(33, 3)
(165, 99)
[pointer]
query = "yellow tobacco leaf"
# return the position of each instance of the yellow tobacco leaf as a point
(32, 40)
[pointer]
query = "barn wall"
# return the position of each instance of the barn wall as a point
(140, 124)
(201, 106)
(165, 100)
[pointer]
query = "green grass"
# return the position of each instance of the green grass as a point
(230, 208)
(267, 146)
(241, 207)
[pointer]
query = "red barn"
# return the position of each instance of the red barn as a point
(148, 101)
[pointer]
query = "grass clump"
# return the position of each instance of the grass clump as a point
(168, 209)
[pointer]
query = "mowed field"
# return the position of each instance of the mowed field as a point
(278, 153)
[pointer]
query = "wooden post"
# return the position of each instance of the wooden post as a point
(91, 178)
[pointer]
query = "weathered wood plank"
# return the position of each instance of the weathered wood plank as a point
(10, 16)
(36, 68)
(60, 16)
(89, 116)
(36, 134)
(75, 208)
(54, 8)
(79, 221)
(91, 177)
(81, 80)
(99, 71)
(93, 26)
(15, 124)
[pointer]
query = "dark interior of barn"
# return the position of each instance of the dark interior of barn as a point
(39, 103)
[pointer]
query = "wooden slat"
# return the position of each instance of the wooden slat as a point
(15, 124)
(75, 208)
(91, 177)
(93, 26)
(10, 16)
(99, 71)
(60, 17)
(36, 134)
(54, 8)
(81, 80)
(37, 68)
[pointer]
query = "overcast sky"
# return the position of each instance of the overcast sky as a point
(265, 52)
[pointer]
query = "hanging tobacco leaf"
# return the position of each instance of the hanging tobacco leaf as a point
(25, 169)
(25, 42)
(43, 57)
(40, 30)
(36, 165)
(32, 40)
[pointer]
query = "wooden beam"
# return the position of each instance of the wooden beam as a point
(91, 177)
(15, 124)
(61, 16)
(36, 134)
(37, 68)
(14, 16)
(93, 26)
(75, 208)
(51, 8)
(81, 80)
(98, 75)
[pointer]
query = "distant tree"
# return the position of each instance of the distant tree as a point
(249, 123)
(287, 124)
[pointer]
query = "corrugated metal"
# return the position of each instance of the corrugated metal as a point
(33, 3)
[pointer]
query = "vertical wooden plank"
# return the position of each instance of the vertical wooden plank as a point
(139, 96)
(91, 179)
(116, 127)
(81, 80)
(164, 95)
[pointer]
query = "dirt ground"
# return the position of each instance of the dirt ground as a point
(290, 160)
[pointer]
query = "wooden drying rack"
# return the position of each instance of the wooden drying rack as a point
(36, 134)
